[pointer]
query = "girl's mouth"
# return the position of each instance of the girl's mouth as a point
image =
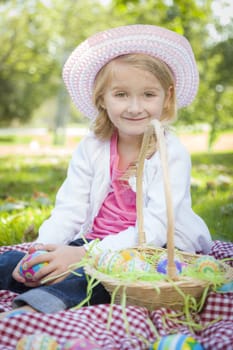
(136, 119)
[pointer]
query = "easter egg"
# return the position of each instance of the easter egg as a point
(109, 262)
(122, 261)
(26, 272)
(176, 342)
(207, 264)
(226, 287)
(134, 261)
(80, 344)
(163, 263)
(37, 342)
(137, 264)
(129, 254)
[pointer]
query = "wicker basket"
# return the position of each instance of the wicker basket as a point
(173, 291)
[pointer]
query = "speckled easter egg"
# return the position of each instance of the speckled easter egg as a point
(176, 342)
(26, 272)
(163, 263)
(207, 264)
(37, 342)
(109, 262)
(137, 264)
(80, 344)
(129, 254)
(123, 261)
(134, 261)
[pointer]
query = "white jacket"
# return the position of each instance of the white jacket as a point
(88, 181)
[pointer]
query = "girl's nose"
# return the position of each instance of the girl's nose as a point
(134, 105)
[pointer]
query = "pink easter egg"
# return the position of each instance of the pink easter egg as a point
(26, 272)
(80, 344)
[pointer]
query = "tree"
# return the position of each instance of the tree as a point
(221, 83)
(26, 61)
(36, 37)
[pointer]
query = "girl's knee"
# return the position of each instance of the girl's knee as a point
(9, 260)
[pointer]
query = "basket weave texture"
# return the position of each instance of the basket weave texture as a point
(171, 292)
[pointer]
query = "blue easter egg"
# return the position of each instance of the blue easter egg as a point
(176, 342)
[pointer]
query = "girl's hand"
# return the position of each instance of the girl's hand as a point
(17, 276)
(59, 258)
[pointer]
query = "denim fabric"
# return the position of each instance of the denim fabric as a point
(49, 298)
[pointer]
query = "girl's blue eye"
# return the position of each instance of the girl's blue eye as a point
(149, 94)
(120, 94)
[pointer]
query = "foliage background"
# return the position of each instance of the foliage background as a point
(38, 35)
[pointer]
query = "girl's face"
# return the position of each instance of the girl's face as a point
(133, 98)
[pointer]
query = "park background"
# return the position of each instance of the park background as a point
(40, 127)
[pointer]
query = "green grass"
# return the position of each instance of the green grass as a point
(213, 193)
(29, 185)
(28, 189)
(13, 139)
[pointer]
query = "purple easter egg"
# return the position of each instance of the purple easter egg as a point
(162, 266)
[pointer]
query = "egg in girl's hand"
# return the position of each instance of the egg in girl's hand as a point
(176, 342)
(37, 342)
(80, 344)
(28, 273)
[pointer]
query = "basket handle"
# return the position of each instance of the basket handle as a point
(139, 185)
(159, 131)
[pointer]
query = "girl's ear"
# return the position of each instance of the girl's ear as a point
(168, 97)
(102, 104)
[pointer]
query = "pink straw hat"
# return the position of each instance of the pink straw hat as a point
(89, 57)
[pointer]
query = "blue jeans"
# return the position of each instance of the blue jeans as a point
(49, 298)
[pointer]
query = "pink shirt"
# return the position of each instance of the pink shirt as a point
(118, 210)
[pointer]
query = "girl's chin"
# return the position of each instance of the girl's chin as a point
(135, 128)
(132, 133)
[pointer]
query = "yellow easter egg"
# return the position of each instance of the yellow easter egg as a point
(130, 254)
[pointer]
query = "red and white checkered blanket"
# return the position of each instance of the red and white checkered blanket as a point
(135, 331)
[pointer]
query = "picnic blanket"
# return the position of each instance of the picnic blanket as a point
(132, 328)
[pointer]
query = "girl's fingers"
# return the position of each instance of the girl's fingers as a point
(16, 275)
(36, 246)
(50, 247)
(37, 260)
(32, 284)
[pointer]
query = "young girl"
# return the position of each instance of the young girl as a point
(122, 79)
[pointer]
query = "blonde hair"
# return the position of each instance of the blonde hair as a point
(102, 127)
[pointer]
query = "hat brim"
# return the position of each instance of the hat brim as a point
(88, 58)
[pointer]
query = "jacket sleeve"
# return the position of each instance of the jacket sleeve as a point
(191, 233)
(72, 201)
